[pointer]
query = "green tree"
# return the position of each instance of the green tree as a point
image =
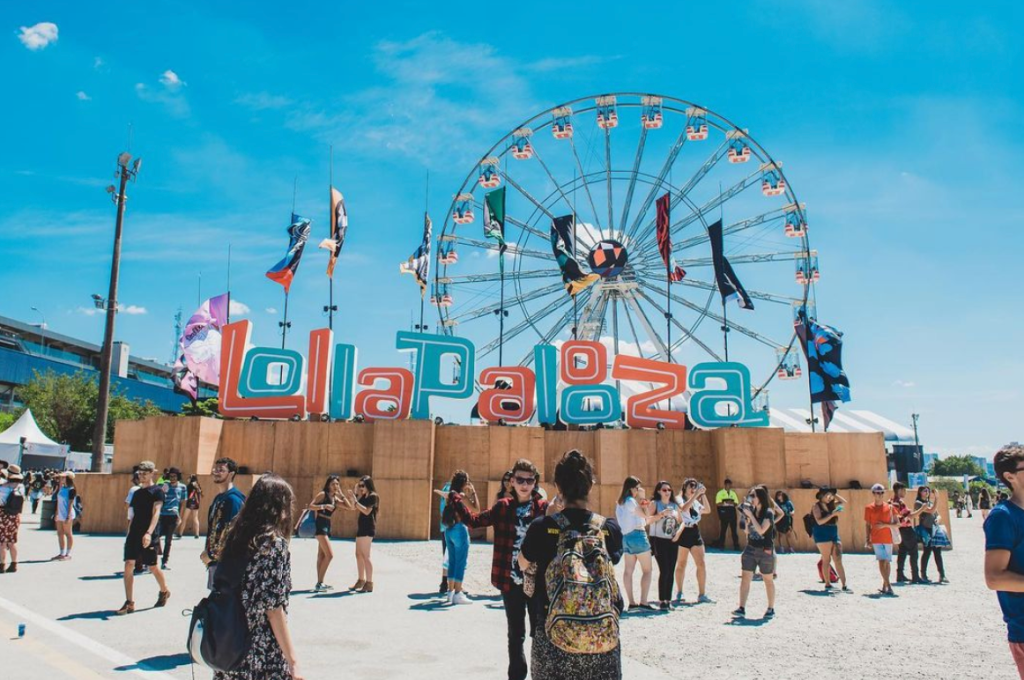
(64, 406)
(8, 419)
(957, 466)
(204, 407)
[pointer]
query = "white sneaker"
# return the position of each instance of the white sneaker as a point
(449, 597)
(460, 598)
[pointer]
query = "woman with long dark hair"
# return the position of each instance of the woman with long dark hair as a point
(693, 504)
(759, 555)
(665, 550)
(984, 502)
(826, 534)
(257, 543)
(193, 497)
(574, 477)
(324, 504)
(64, 517)
(456, 533)
(927, 518)
(366, 502)
(633, 520)
(505, 490)
(784, 527)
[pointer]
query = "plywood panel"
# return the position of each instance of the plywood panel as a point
(856, 456)
(557, 442)
(807, 459)
(509, 444)
(611, 456)
(461, 448)
(734, 456)
(129, 444)
(403, 449)
(643, 456)
(300, 448)
(350, 449)
(248, 443)
(670, 456)
(402, 509)
(206, 448)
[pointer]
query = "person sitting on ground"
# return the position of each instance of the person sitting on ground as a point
(759, 555)
(825, 533)
(574, 477)
(879, 523)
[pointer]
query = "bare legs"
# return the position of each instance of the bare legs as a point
(65, 536)
(363, 563)
(832, 553)
(645, 576)
(325, 555)
(769, 588)
(129, 579)
(193, 515)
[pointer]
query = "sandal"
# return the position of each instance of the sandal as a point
(161, 600)
(368, 587)
(359, 585)
(127, 608)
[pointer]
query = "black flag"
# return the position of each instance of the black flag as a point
(728, 284)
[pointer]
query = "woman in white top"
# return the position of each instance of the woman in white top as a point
(693, 504)
(633, 520)
(663, 531)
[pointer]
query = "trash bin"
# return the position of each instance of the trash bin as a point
(47, 509)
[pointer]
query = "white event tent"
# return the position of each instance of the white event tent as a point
(42, 449)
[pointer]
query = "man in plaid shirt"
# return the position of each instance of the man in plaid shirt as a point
(510, 517)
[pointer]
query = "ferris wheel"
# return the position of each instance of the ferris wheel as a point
(601, 164)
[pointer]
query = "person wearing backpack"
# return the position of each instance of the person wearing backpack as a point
(759, 555)
(12, 502)
(456, 534)
(256, 544)
(580, 635)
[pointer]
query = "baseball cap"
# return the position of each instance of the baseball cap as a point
(877, 487)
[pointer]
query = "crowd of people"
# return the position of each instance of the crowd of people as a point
(552, 559)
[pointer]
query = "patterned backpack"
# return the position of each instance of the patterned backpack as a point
(583, 615)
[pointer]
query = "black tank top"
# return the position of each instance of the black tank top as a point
(325, 513)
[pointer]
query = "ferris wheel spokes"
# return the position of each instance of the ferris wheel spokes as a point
(472, 314)
(756, 294)
(549, 336)
(665, 169)
(632, 180)
(734, 228)
(687, 332)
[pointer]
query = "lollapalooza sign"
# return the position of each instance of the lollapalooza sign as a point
(266, 382)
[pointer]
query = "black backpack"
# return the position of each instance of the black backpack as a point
(809, 524)
(218, 635)
(14, 505)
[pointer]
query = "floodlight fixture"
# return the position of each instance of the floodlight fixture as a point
(124, 159)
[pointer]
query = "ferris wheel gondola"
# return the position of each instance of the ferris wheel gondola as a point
(604, 175)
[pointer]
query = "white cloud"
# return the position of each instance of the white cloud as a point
(98, 63)
(172, 99)
(170, 80)
(902, 383)
(83, 97)
(271, 310)
(39, 36)
(237, 308)
(131, 309)
(89, 311)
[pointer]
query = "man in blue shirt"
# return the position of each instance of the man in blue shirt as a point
(1004, 549)
(170, 513)
(223, 511)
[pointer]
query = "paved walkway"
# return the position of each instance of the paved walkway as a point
(403, 631)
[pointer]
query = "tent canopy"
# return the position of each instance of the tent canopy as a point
(795, 420)
(36, 443)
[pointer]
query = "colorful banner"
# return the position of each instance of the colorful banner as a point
(562, 245)
(199, 347)
(418, 263)
(339, 227)
(284, 271)
(728, 283)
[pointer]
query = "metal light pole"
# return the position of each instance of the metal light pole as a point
(42, 327)
(99, 434)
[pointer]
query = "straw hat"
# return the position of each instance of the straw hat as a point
(14, 473)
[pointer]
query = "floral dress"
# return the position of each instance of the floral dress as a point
(268, 580)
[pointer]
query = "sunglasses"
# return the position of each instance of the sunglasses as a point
(524, 480)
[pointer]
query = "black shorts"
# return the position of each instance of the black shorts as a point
(143, 557)
(690, 538)
(785, 524)
(323, 526)
(366, 532)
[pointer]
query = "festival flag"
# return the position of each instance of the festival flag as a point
(675, 272)
(561, 244)
(494, 220)
(419, 262)
(728, 284)
(823, 347)
(284, 271)
(339, 226)
(199, 347)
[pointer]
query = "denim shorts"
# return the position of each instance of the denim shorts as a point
(636, 542)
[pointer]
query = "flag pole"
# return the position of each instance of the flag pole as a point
(284, 324)
(229, 283)
(330, 222)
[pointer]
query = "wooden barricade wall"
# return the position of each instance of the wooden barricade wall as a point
(408, 459)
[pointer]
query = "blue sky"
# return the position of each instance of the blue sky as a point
(896, 128)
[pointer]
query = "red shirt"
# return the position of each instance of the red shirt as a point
(874, 514)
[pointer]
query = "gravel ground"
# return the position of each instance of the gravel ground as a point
(403, 631)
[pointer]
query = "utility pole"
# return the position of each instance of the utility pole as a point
(917, 442)
(99, 434)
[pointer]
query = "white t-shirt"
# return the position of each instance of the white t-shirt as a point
(688, 518)
(128, 501)
(626, 516)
